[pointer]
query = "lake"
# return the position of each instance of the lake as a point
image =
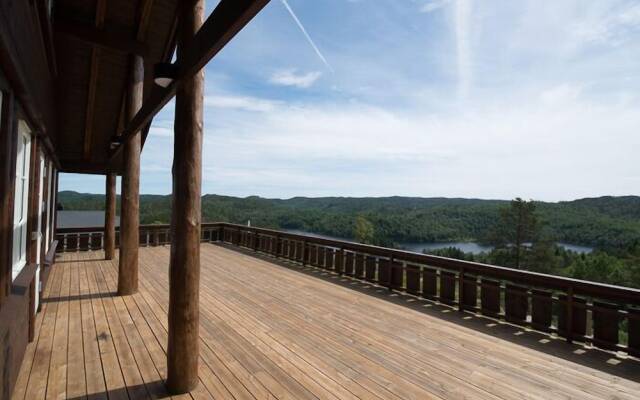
(80, 219)
(467, 247)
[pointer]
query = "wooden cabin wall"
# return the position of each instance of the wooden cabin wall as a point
(26, 85)
(26, 60)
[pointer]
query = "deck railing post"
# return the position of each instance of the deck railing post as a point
(390, 274)
(186, 217)
(569, 322)
(461, 290)
(305, 252)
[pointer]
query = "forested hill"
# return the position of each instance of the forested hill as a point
(604, 222)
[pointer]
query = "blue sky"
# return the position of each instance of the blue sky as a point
(455, 98)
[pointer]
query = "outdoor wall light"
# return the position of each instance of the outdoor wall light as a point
(164, 74)
(115, 141)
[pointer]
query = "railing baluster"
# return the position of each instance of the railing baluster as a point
(431, 277)
(541, 309)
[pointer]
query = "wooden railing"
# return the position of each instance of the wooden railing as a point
(601, 315)
(92, 238)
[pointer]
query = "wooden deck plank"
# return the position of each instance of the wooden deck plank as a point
(76, 376)
(113, 375)
(130, 371)
(443, 336)
(94, 374)
(57, 376)
(47, 314)
(272, 332)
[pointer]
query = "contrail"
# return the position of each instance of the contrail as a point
(304, 31)
(463, 46)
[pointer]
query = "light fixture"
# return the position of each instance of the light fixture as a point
(164, 74)
(115, 141)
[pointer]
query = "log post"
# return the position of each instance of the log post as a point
(184, 269)
(110, 217)
(130, 194)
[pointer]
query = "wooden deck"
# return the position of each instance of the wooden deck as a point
(272, 331)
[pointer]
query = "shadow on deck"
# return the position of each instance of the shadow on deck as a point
(609, 362)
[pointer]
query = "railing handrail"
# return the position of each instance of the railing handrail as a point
(544, 302)
(580, 287)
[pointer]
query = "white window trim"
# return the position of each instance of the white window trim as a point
(23, 134)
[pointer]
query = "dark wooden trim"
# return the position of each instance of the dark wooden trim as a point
(83, 168)
(46, 27)
(186, 216)
(55, 204)
(101, 10)
(32, 226)
(130, 198)
(109, 38)
(34, 205)
(144, 16)
(226, 20)
(8, 130)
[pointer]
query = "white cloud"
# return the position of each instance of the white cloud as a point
(609, 26)
(434, 5)
(246, 103)
(549, 146)
(289, 77)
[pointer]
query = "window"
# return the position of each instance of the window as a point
(21, 201)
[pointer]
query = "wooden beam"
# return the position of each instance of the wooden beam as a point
(110, 217)
(101, 10)
(130, 194)
(186, 217)
(73, 166)
(144, 16)
(226, 20)
(143, 20)
(108, 38)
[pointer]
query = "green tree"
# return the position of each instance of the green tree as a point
(363, 232)
(516, 229)
(599, 267)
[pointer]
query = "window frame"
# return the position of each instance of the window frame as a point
(21, 199)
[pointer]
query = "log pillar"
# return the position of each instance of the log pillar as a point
(110, 217)
(130, 193)
(184, 269)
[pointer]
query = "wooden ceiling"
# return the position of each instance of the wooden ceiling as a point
(93, 43)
